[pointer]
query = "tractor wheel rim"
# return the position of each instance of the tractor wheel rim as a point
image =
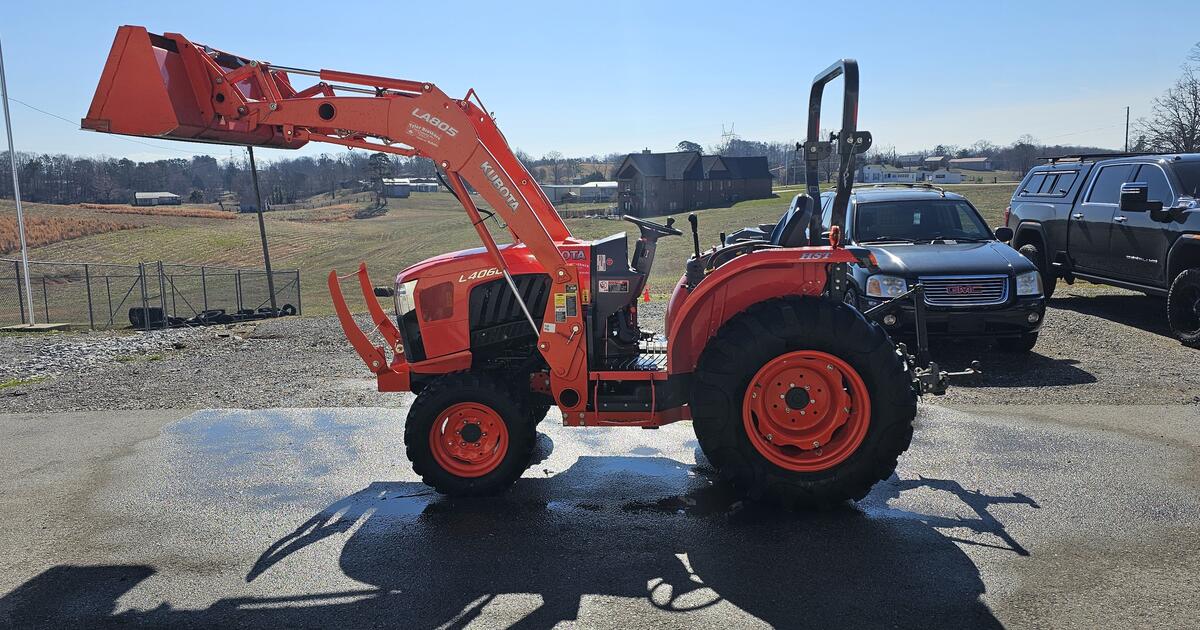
(806, 411)
(469, 439)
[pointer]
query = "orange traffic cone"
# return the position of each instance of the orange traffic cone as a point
(646, 295)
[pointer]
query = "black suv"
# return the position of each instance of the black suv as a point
(1131, 221)
(974, 284)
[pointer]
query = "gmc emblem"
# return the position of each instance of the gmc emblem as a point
(963, 289)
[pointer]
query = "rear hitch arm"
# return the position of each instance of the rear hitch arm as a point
(927, 376)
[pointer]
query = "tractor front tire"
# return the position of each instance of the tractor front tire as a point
(467, 436)
(802, 402)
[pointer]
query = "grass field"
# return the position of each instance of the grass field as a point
(413, 229)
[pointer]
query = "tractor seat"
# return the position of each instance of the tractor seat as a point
(790, 231)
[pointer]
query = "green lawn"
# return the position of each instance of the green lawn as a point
(413, 229)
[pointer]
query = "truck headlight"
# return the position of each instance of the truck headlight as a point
(886, 286)
(404, 297)
(1029, 283)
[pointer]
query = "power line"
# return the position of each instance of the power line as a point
(75, 124)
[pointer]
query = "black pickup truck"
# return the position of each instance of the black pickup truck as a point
(1131, 221)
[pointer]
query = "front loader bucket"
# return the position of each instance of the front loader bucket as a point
(160, 86)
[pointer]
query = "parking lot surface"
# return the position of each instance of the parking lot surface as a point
(1046, 516)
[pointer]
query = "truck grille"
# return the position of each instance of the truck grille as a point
(965, 290)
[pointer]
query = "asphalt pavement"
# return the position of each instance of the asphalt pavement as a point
(1013, 516)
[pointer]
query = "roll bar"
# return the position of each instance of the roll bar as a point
(850, 141)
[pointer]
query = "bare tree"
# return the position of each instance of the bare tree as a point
(1024, 153)
(1174, 122)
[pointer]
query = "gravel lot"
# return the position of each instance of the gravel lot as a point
(1099, 345)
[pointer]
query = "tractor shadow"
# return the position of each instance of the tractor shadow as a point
(430, 561)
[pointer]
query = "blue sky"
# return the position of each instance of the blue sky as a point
(600, 77)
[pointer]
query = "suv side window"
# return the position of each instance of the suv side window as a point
(1106, 188)
(1153, 176)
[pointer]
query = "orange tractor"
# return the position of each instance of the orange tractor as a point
(794, 396)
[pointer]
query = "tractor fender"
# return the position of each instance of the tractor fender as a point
(695, 316)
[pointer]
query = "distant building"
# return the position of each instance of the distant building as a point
(395, 188)
(972, 164)
(650, 184)
(910, 159)
(403, 186)
(880, 174)
(944, 177)
(598, 192)
(156, 199)
(934, 162)
(557, 193)
(591, 192)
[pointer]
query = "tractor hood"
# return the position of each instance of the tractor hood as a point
(914, 260)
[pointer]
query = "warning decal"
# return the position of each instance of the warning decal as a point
(613, 286)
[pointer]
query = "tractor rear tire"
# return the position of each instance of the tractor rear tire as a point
(467, 436)
(845, 359)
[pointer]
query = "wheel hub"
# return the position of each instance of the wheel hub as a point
(469, 439)
(806, 410)
(470, 432)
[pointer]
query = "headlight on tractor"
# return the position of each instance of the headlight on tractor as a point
(886, 286)
(404, 297)
(1029, 283)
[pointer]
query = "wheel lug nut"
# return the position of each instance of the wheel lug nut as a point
(770, 437)
(816, 444)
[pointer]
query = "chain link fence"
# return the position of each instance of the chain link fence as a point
(146, 295)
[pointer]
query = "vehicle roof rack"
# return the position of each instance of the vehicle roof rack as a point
(1080, 157)
(910, 185)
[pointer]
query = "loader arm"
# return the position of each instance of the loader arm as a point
(166, 86)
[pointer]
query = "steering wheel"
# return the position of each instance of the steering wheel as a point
(656, 229)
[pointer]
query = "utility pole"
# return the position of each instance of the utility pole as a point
(1127, 129)
(12, 156)
(262, 231)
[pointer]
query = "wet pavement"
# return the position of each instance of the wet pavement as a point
(1079, 516)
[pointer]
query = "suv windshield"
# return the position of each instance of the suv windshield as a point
(918, 220)
(1189, 176)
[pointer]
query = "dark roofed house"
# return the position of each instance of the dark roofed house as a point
(651, 184)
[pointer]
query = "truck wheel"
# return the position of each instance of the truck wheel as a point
(802, 402)
(466, 436)
(1183, 308)
(1024, 343)
(1035, 256)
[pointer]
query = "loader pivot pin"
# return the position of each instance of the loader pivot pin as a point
(469, 439)
(806, 411)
